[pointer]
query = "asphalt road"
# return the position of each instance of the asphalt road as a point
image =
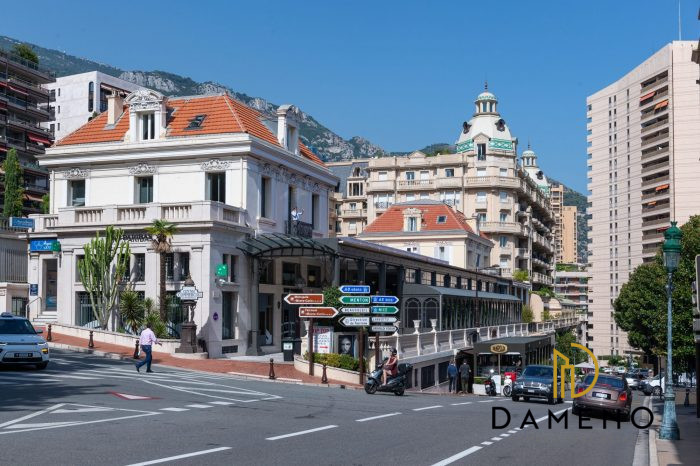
(89, 410)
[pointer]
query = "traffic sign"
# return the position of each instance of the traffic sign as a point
(318, 312)
(384, 309)
(304, 298)
(383, 328)
(384, 299)
(21, 222)
(354, 299)
(355, 321)
(354, 310)
(189, 293)
(383, 319)
(354, 289)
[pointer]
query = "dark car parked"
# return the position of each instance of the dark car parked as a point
(535, 382)
(610, 394)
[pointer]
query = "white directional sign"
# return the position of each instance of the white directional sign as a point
(354, 310)
(355, 321)
(189, 293)
(383, 319)
(383, 328)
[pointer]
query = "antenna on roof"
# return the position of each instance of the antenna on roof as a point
(679, 20)
(486, 85)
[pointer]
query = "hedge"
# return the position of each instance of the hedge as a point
(341, 361)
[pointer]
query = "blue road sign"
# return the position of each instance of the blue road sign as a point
(356, 289)
(384, 299)
(21, 222)
(33, 289)
(41, 244)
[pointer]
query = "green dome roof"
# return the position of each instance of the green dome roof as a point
(486, 95)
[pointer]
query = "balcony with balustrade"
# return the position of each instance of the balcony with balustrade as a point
(491, 182)
(380, 186)
(503, 227)
(416, 185)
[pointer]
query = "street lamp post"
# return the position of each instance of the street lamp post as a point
(672, 253)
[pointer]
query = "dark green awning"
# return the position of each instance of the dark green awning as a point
(278, 244)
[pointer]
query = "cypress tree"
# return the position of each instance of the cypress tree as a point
(14, 185)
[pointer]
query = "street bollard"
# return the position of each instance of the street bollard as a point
(48, 334)
(90, 343)
(136, 350)
(686, 403)
(272, 369)
(324, 378)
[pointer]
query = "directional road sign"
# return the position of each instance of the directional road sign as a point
(21, 222)
(354, 310)
(355, 289)
(383, 328)
(189, 293)
(355, 321)
(304, 298)
(384, 299)
(384, 309)
(383, 319)
(354, 299)
(318, 312)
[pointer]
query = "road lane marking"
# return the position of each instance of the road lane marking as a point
(568, 401)
(199, 406)
(486, 401)
(496, 439)
(505, 435)
(545, 417)
(29, 416)
(512, 431)
(377, 417)
(294, 434)
(222, 403)
(464, 403)
(179, 457)
(174, 410)
(427, 407)
(458, 456)
(486, 443)
(77, 377)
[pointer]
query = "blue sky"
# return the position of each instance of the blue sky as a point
(403, 74)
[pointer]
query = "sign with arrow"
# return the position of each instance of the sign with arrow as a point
(384, 309)
(354, 299)
(355, 321)
(318, 312)
(354, 310)
(384, 299)
(355, 289)
(304, 298)
(383, 319)
(383, 328)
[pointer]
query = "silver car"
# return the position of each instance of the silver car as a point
(20, 343)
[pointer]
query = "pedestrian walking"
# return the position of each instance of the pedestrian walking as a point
(452, 374)
(464, 371)
(146, 341)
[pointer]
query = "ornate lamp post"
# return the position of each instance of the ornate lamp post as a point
(672, 254)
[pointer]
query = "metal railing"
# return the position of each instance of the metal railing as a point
(26, 63)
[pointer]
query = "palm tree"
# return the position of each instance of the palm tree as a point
(132, 310)
(162, 232)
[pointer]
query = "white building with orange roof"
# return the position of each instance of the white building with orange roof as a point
(215, 168)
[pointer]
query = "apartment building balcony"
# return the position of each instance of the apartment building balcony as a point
(26, 125)
(37, 89)
(383, 186)
(491, 181)
(416, 185)
(194, 214)
(382, 205)
(664, 220)
(651, 139)
(659, 123)
(449, 182)
(655, 166)
(354, 213)
(658, 195)
(659, 109)
(651, 249)
(521, 253)
(541, 278)
(656, 180)
(26, 67)
(513, 228)
(656, 236)
(542, 241)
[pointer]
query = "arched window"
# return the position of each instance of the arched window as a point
(430, 311)
(412, 312)
(91, 96)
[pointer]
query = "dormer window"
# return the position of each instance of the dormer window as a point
(412, 224)
(148, 126)
(196, 122)
(441, 219)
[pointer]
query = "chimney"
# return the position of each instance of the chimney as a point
(288, 127)
(473, 223)
(115, 107)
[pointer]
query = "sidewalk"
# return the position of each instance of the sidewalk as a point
(256, 370)
(687, 449)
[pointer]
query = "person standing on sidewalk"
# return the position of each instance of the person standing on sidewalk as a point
(452, 374)
(146, 341)
(464, 371)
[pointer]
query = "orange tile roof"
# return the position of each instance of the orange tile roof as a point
(224, 115)
(391, 221)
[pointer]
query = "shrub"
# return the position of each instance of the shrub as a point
(341, 361)
(480, 380)
(520, 275)
(527, 315)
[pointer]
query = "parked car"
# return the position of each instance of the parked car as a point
(610, 394)
(535, 382)
(620, 369)
(20, 343)
(654, 386)
(634, 380)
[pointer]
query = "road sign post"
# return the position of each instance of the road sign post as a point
(384, 299)
(355, 321)
(354, 310)
(318, 312)
(354, 289)
(385, 310)
(311, 346)
(383, 328)
(352, 300)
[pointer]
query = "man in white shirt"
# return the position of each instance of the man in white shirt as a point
(146, 341)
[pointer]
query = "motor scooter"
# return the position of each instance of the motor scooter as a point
(395, 385)
(507, 385)
(490, 386)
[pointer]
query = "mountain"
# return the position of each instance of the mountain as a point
(327, 144)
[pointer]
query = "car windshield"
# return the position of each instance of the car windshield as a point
(16, 327)
(538, 371)
(603, 380)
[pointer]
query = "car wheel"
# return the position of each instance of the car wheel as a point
(550, 400)
(41, 366)
(656, 391)
(515, 398)
(624, 417)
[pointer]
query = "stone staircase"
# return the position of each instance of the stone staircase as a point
(46, 317)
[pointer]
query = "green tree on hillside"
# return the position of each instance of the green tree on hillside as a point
(27, 52)
(14, 185)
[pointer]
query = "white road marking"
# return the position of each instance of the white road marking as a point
(178, 457)
(174, 410)
(199, 406)
(93, 409)
(496, 439)
(458, 456)
(459, 404)
(486, 443)
(29, 416)
(377, 417)
(221, 392)
(505, 435)
(222, 403)
(40, 425)
(486, 401)
(512, 431)
(61, 376)
(427, 407)
(568, 401)
(294, 434)
(545, 417)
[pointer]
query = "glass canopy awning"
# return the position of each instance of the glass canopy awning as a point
(280, 245)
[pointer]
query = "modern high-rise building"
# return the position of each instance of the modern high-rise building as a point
(24, 105)
(643, 138)
(569, 235)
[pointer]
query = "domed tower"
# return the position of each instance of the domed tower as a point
(529, 163)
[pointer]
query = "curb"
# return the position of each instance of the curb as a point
(653, 454)
(235, 375)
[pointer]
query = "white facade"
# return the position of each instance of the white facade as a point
(80, 96)
(254, 180)
(643, 134)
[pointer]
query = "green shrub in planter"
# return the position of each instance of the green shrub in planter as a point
(341, 361)
(480, 380)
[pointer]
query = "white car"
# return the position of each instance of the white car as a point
(20, 343)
